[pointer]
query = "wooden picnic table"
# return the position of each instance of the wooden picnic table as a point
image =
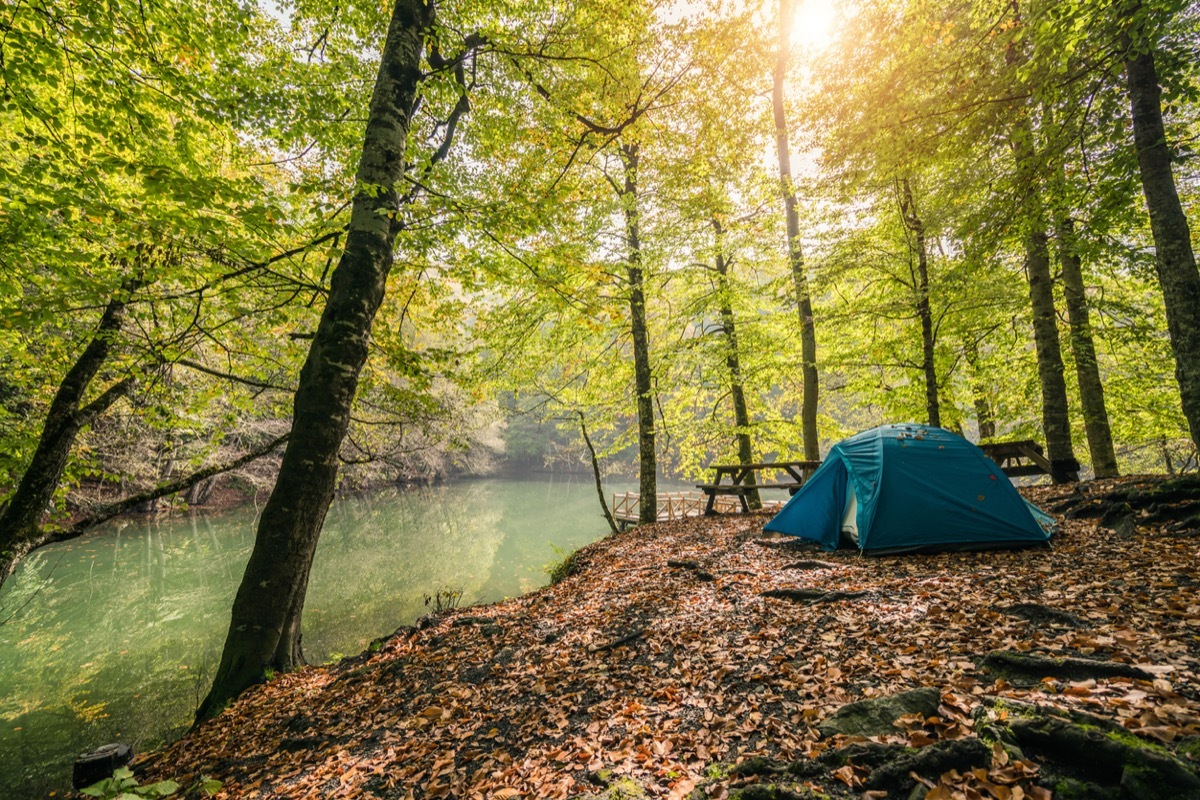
(743, 479)
(1017, 458)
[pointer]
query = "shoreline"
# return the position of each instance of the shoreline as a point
(662, 665)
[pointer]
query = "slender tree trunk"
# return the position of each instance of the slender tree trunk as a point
(587, 440)
(808, 335)
(1055, 420)
(981, 397)
(914, 224)
(264, 631)
(1174, 258)
(1083, 347)
(737, 390)
(20, 523)
(1056, 423)
(647, 465)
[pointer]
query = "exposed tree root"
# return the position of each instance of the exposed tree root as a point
(1028, 668)
(1039, 614)
(812, 596)
(1138, 503)
(811, 564)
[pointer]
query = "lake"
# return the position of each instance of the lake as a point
(115, 636)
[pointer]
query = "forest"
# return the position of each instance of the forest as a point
(311, 247)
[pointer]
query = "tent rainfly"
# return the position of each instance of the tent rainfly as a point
(911, 488)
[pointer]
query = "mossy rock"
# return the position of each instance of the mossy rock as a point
(1104, 759)
(1073, 789)
(1189, 748)
(929, 762)
(875, 717)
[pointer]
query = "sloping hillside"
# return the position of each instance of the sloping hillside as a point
(702, 656)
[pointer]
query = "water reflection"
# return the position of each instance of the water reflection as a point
(116, 635)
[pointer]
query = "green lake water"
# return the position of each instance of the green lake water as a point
(115, 636)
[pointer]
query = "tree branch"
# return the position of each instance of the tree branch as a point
(186, 482)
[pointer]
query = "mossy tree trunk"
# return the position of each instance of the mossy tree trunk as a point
(1174, 258)
(642, 376)
(264, 631)
(1056, 423)
(1083, 347)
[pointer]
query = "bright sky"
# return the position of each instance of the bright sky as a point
(814, 24)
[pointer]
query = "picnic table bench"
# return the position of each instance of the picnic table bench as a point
(1017, 458)
(743, 479)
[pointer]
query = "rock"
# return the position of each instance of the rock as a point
(98, 764)
(929, 762)
(1142, 770)
(870, 755)
(461, 621)
(760, 791)
(874, 717)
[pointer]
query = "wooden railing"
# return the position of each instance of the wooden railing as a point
(671, 505)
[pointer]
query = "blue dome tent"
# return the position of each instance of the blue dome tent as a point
(909, 488)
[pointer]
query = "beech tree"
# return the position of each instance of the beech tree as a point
(265, 626)
(1174, 259)
(808, 352)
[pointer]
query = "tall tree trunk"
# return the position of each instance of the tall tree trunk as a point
(737, 390)
(980, 395)
(1083, 347)
(20, 523)
(1056, 423)
(915, 226)
(264, 631)
(808, 335)
(647, 464)
(1174, 258)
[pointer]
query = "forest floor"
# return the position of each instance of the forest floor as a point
(663, 666)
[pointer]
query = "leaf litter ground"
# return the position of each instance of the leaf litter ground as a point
(659, 664)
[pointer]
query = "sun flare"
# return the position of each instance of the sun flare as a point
(813, 26)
